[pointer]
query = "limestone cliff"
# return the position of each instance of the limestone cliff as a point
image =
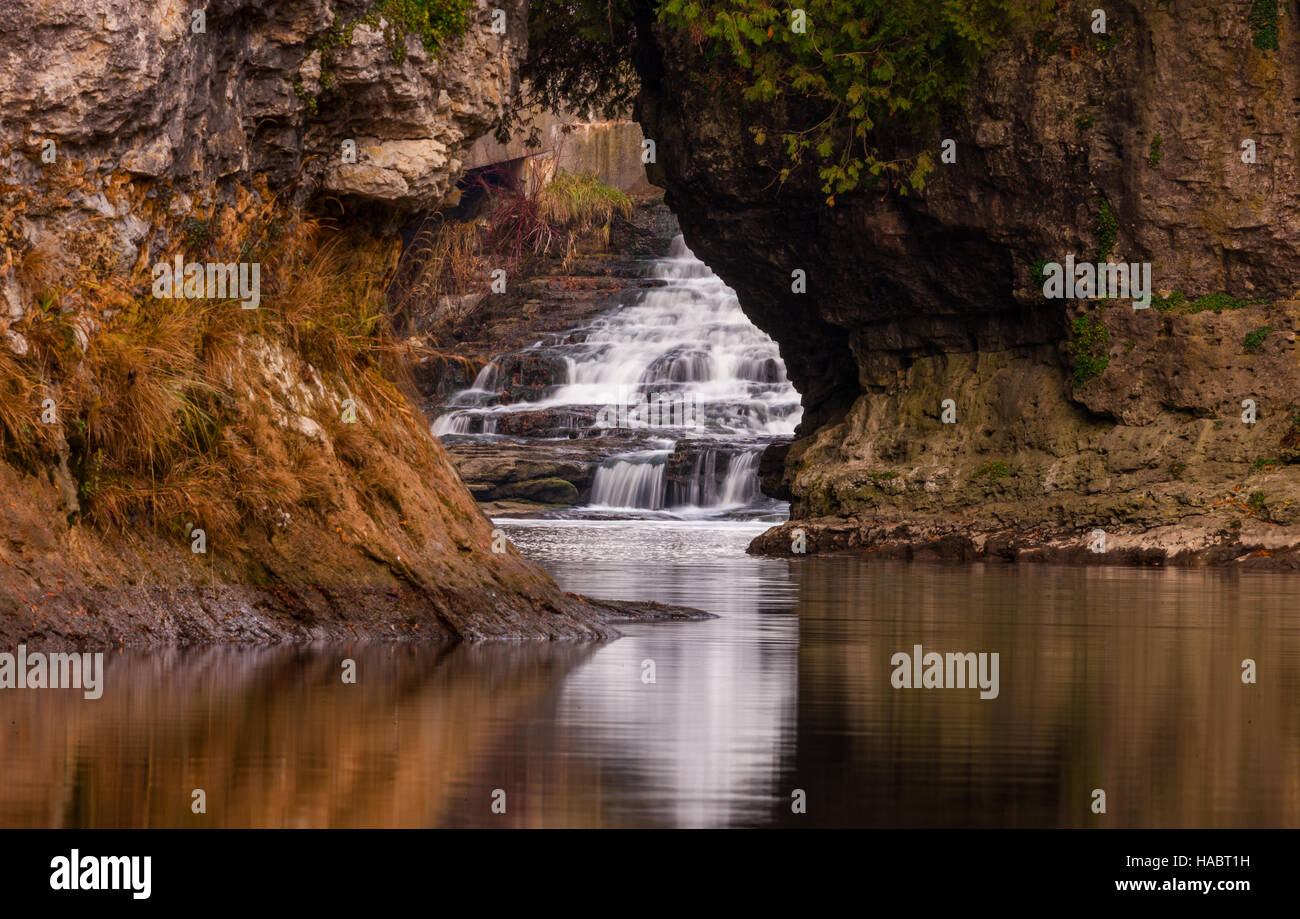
(1070, 415)
(187, 470)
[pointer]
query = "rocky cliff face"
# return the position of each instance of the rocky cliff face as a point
(121, 123)
(264, 88)
(131, 133)
(1067, 415)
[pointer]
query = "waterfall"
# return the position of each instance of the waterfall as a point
(684, 345)
(464, 423)
(717, 479)
(480, 392)
(688, 335)
(741, 484)
(636, 482)
(698, 491)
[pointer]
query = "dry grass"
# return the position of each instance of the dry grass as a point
(444, 259)
(448, 259)
(144, 397)
(22, 436)
(581, 203)
(166, 421)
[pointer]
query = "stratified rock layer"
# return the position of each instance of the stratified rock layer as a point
(159, 124)
(920, 299)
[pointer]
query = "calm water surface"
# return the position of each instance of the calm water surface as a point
(1121, 679)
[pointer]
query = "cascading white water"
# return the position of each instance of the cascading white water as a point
(631, 483)
(685, 343)
(687, 336)
(464, 422)
(741, 485)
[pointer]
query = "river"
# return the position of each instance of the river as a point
(1125, 680)
(783, 710)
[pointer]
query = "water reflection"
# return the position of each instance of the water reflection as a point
(1125, 680)
(1122, 679)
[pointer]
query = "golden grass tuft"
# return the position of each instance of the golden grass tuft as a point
(143, 396)
(443, 259)
(447, 259)
(165, 420)
(22, 435)
(581, 202)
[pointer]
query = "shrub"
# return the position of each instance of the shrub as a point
(444, 259)
(517, 227)
(991, 472)
(1107, 229)
(1215, 303)
(1172, 303)
(1088, 346)
(860, 72)
(1178, 303)
(1253, 340)
(580, 202)
(1154, 156)
(1263, 24)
